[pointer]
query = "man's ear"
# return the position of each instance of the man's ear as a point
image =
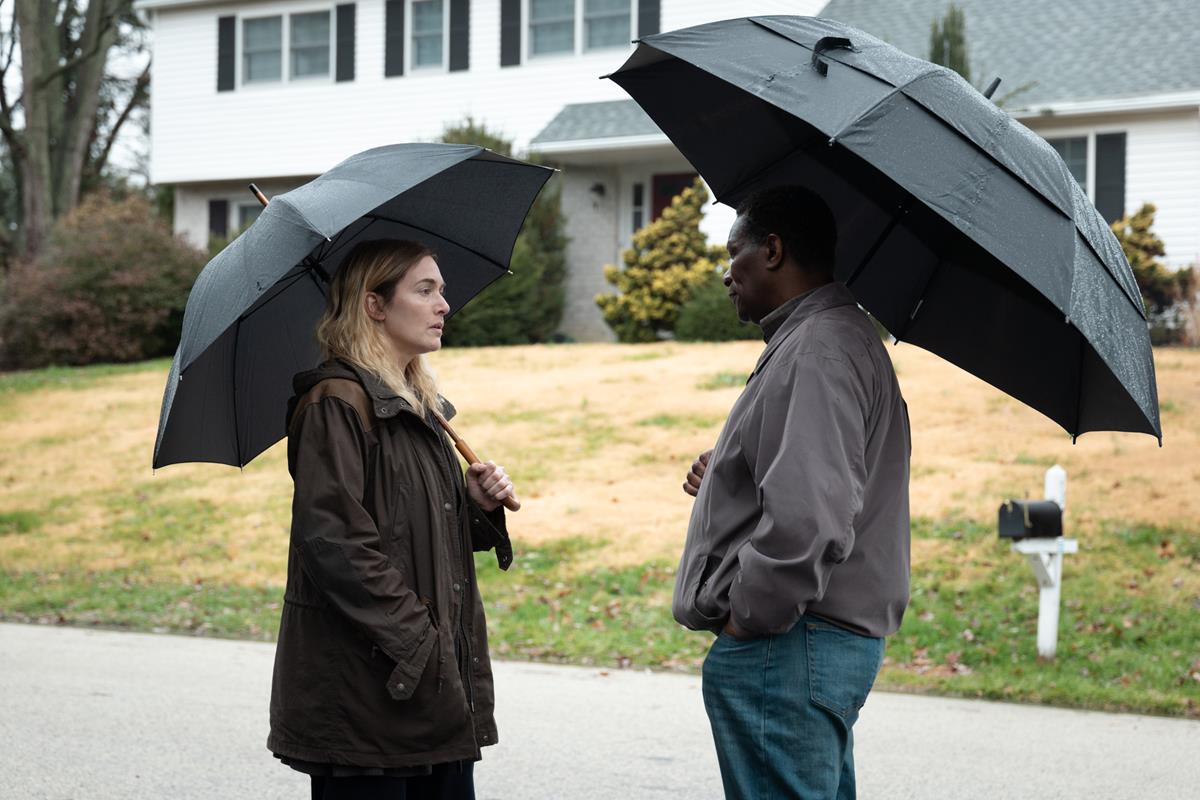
(374, 306)
(774, 247)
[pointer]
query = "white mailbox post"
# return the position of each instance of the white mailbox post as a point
(1045, 557)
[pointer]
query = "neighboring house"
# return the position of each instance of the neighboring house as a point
(1113, 85)
(278, 91)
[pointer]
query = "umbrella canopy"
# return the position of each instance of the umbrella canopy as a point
(959, 229)
(250, 318)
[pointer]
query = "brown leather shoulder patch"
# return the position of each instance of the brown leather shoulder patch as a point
(348, 391)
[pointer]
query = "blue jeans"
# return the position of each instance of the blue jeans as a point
(782, 709)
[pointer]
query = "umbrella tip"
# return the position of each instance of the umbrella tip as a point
(991, 89)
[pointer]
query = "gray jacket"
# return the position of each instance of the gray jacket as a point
(804, 505)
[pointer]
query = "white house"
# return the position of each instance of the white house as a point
(278, 91)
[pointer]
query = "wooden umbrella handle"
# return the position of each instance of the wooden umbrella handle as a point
(460, 444)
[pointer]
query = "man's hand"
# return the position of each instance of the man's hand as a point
(699, 467)
(488, 485)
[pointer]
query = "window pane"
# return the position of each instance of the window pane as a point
(551, 26)
(262, 34)
(248, 213)
(607, 32)
(262, 49)
(310, 44)
(427, 28)
(556, 38)
(427, 16)
(551, 10)
(1074, 152)
(427, 51)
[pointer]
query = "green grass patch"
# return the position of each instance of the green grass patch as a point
(27, 381)
(1129, 634)
(680, 421)
(650, 355)
(724, 380)
(131, 600)
(18, 522)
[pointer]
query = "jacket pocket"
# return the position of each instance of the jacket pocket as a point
(841, 667)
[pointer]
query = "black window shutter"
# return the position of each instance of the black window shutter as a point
(218, 218)
(1110, 175)
(345, 42)
(225, 53)
(649, 17)
(393, 38)
(510, 33)
(460, 35)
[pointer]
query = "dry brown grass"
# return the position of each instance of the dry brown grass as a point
(598, 437)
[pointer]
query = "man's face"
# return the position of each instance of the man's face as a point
(748, 278)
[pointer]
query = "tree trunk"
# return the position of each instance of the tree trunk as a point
(38, 50)
(99, 35)
(61, 78)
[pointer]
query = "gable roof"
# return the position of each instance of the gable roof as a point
(1061, 51)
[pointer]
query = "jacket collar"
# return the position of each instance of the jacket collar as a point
(387, 403)
(780, 323)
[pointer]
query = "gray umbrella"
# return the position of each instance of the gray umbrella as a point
(959, 229)
(249, 322)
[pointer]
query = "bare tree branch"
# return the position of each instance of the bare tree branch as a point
(136, 99)
(108, 21)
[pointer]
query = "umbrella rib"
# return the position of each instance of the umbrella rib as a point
(920, 301)
(471, 250)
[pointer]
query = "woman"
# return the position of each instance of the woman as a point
(382, 684)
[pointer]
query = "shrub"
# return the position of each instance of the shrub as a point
(1169, 295)
(525, 307)
(110, 285)
(670, 259)
(710, 317)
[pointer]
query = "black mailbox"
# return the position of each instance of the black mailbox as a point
(1030, 519)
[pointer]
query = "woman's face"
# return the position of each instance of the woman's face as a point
(413, 319)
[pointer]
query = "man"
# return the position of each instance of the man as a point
(797, 553)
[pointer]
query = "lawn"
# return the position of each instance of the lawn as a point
(598, 438)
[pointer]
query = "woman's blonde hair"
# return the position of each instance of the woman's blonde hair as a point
(346, 332)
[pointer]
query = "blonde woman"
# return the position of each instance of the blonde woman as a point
(382, 683)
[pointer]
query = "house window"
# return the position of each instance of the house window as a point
(639, 206)
(262, 50)
(551, 27)
(309, 44)
(428, 33)
(606, 23)
(247, 213)
(1073, 151)
(1097, 162)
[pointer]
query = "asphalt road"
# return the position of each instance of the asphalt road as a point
(96, 714)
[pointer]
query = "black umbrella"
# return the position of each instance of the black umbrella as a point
(250, 319)
(959, 229)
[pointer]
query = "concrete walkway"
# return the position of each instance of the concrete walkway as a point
(97, 715)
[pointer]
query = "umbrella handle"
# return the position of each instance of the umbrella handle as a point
(460, 444)
(258, 195)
